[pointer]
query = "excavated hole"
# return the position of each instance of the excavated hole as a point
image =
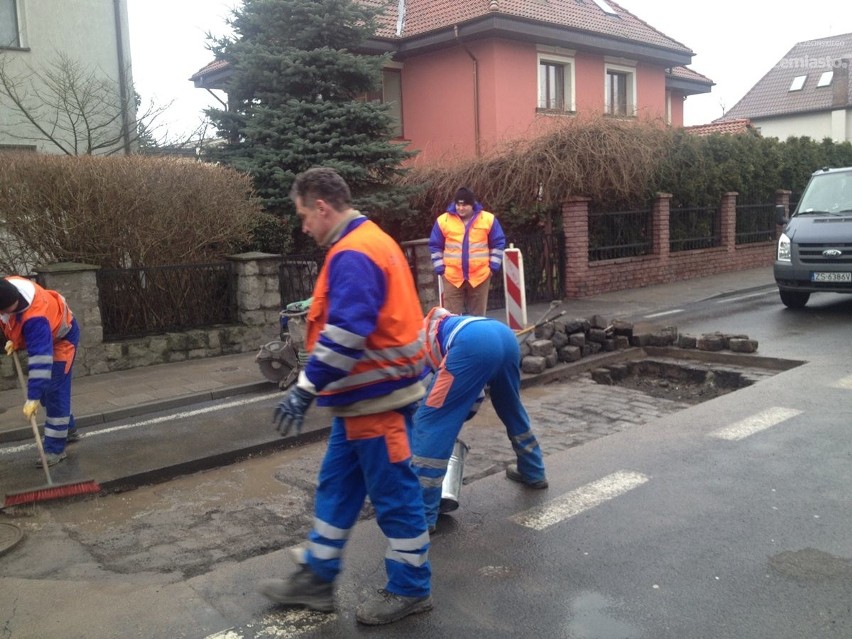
(690, 383)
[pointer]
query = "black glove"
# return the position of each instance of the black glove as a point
(291, 410)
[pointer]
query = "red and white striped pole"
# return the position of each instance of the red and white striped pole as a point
(513, 285)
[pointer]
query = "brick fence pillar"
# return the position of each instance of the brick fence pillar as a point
(728, 221)
(660, 213)
(575, 229)
(258, 292)
(417, 252)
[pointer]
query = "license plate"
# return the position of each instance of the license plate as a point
(831, 277)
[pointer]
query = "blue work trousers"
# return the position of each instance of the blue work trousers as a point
(371, 455)
(482, 353)
(57, 396)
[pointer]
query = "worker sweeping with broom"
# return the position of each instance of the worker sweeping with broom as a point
(39, 320)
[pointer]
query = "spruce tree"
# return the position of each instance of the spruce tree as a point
(296, 98)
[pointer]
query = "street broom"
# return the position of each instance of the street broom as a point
(50, 490)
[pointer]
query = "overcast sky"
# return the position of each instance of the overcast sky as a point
(735, 41)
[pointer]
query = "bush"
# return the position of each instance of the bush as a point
(120, 212)
(619, 165)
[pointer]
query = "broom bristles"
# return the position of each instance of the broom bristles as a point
(46, 493)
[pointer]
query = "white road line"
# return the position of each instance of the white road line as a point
(846, 383)
(287, 623)
(156, 420)
(756, 423)
(579, 500)
(664, 313)
(725, 300)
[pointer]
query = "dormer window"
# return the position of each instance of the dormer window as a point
(798, 82)
(825, 78)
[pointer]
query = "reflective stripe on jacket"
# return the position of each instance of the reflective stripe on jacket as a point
(365, 335)
(40, 329)
(470, 250)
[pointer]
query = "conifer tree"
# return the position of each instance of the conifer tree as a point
(300, 72)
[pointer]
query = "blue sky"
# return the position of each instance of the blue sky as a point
(735, 41)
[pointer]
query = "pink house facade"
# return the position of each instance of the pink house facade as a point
(468, 76)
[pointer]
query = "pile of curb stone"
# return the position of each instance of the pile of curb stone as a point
(569, 340)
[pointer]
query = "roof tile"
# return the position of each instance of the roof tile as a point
(771, 96)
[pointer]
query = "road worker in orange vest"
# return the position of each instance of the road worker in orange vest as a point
(466, 246)
(365, 336)
(39, 320)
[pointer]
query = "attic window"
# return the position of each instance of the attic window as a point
(605, 7)
(798, 82)
(825, 78)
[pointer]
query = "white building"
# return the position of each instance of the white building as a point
(92, 38)
(807, 93)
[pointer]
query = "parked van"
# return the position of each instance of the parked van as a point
(814, 252)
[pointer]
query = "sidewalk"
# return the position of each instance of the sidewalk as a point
(99, 399)
(122, 394)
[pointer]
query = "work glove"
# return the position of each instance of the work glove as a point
(439, 270)
(30, 408)
(10, 347)
(291, 411)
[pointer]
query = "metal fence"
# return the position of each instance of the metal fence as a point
(694, 228)
(148, 301)
(544, 270)
(297, 275)
(619, 234)
(755, 223)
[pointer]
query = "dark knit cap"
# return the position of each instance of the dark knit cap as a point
(8, 293)
(465, 195)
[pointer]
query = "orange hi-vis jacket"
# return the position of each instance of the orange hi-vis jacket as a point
(45, 303)
(467, 254)
(40, 328)
(366, 345)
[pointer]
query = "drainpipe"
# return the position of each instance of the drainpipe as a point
(476, 133)
(122, 77)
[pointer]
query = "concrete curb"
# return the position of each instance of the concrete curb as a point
(94, 419)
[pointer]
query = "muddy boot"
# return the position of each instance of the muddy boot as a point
(388, 607)
(513, 474)
(302, 588)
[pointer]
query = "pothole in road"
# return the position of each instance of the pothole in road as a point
(687, 382)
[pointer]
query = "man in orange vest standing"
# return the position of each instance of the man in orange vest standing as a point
(466, 246)
(40, 321)
(365, 336)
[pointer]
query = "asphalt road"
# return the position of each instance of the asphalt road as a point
(724, 519)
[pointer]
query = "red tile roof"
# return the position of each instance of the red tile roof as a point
(423, 16)
(728, 126)
(216, 65)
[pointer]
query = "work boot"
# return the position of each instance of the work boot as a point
(73, 436)
(513, 474)
(388, 607)
(52, 458)
(302, 588)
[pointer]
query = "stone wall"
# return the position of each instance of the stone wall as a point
(258, 300)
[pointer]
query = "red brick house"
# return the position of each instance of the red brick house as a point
(469, 74)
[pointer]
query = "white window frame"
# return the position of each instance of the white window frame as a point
(798, 83)
(569, 104)
(825, 79)
(630, 72)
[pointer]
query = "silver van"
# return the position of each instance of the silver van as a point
(814, 252)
